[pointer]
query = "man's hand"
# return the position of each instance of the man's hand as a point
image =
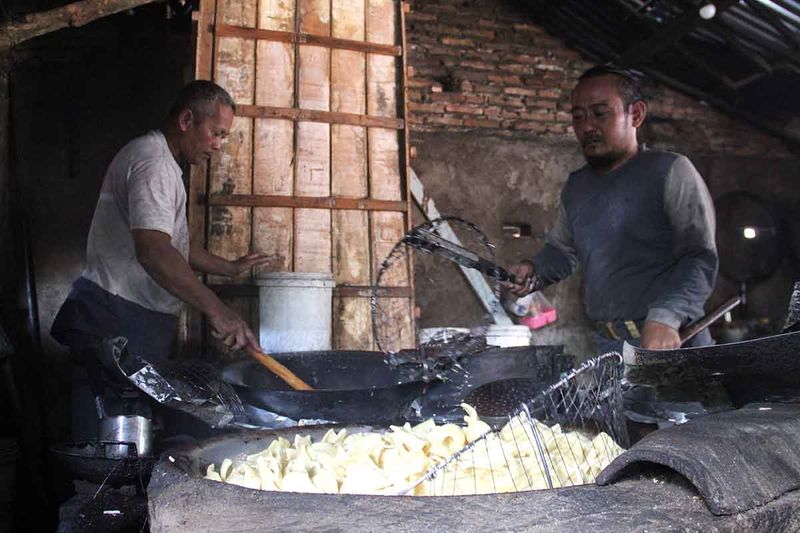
(229, 328)
(245, 263)
(658, 336)
(203, 261)
(523, 272)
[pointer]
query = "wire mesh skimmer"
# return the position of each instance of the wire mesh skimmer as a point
(201, 384)
(436, 358)
(562, 437)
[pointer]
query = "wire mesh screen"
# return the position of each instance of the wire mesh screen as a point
(201, 384)
(438, 354)
(561, 438)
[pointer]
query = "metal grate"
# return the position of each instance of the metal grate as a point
(562, 437)
(201, 384)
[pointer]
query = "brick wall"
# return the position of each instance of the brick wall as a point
(482, 65)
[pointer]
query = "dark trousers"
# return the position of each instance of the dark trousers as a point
(89, 315)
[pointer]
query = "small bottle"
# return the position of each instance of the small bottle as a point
(517, 306)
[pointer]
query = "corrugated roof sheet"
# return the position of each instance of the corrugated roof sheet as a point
(745, 60)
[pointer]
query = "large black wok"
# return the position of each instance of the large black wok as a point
(348, 387)
(360, 387)
(764, 369)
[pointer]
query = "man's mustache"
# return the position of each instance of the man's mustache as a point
(592, 138)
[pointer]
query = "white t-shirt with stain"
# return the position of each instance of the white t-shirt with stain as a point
(142, 189)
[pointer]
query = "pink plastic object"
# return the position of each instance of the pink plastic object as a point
(541, 319)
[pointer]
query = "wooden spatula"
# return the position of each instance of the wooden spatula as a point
(278, 369)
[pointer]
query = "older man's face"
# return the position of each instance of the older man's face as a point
(602, 125)
(205, 134)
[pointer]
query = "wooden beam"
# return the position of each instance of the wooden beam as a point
(72, 15)
(313, 115)
(306, 202)
(225, 30)
(644, 50)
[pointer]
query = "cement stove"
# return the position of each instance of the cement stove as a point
(735, 471)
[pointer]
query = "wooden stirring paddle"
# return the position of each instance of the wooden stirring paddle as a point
(278, 369)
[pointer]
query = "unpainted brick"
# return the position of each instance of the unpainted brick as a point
(492, 111)
(542, 104)
(481, 123)
(516, 68)
(470, 109)
(427, 108)
(490, 23)
(549, 93)
(446, 120)
(520, 91)
(486, 35)
(452, 41)
(479, 65)
(448, 97)
(530, 126)
(537, 115)
(419, 83)
(487, 89)
(419, 16)
(532, 28)
(475, 99)
(474, 76)
(508, 79)
(563, 116)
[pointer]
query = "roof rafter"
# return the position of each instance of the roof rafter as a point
(642, 51)
(776, 22)
(734, 42)
(692, 57)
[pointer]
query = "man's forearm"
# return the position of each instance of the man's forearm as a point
(690, 209)
(691, 283)
(207, 263)
(557, 260)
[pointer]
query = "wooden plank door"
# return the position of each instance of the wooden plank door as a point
(315, 169)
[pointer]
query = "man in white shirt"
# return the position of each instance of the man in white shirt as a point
(140, 263)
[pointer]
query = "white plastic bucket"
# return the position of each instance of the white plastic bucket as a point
(295, 311)
(508, 336)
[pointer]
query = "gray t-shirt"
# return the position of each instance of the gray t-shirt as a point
(643, 235)
(142, 189)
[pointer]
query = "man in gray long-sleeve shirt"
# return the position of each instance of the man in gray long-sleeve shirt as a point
(639, 222)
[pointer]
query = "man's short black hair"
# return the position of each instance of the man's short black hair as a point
(628, 81)
(199, 96)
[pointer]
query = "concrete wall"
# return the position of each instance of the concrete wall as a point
(489, 101)
(490, 180)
